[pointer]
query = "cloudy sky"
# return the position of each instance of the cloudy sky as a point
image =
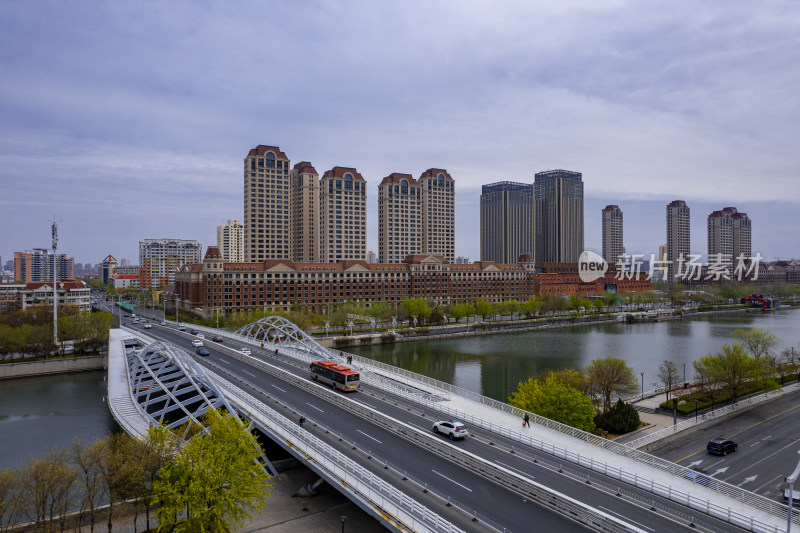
(130, 120)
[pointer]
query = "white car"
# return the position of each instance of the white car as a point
(197, 342)
(201, 336)
(148, 325)
(244, 351)
(181, 328)
(451, 428)
(163, 322)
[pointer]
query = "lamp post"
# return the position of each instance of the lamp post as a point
(684, 372)
(177, 320)
(790, 485)
(343, 518)
(695, 410)
(642, 385)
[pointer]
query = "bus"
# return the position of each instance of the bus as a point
(337, 376)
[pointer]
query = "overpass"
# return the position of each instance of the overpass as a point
(614, 480)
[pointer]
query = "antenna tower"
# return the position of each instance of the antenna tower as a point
(54, 228)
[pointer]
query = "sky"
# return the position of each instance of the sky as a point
(130, 120)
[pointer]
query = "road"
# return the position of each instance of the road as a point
(499, 505)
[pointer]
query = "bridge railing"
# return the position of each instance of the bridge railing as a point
(408, 511)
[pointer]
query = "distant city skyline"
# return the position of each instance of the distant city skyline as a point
(691, 101)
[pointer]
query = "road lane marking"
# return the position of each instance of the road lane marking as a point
(368, 436)
(224, 361)
(607, 510)
(280, 389)
(773, 480)
(751, 465)
(313, 407)
(246, 372)
(452, 481)
(517, 469)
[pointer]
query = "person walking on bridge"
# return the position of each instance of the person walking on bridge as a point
(302, 420)
(526, 421)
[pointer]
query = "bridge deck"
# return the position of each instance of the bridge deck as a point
(120, 401)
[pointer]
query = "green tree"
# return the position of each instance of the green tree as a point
(621, 418)
(759, 342)
(610, 299)
(483, 307)
(533, 304)
(11, 505)
(610, 376)
(668, 375)
(47, 487)
(416, 307)
(216, 479)
(731, 368)
(555, 400)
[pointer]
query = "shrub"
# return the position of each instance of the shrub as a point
(621, 418)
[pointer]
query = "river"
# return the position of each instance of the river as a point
(41, 414)
(493, 365)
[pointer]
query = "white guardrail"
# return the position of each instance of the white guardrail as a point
(704, 505)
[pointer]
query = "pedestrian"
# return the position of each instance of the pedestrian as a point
(276, 351)
(302, 419)
(262, 345)
(527, 420)
(349, 359)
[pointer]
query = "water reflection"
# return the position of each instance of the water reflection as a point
(493, 365)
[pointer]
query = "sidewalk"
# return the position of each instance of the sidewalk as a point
(655, 421)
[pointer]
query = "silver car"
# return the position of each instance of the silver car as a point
(244, 351)
(451, 428)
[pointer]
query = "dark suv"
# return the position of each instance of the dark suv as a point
(720, 446)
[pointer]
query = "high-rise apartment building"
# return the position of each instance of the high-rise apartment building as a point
(372, 257)
(728, 236)
(438, 213)
(305, 224)
(108, 269)
(267, 205)
(160, 258)
(399, 213)
(506, 221)
(558, 210)
(37, 265)
(613, 249)
(230, 241)
(343, 215)
(678, 237)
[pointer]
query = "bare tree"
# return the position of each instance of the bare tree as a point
(47, 488)
(11, 508)
(668, 375)
(88, 460)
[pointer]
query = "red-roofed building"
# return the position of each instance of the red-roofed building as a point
(70, 292)
(125, 281)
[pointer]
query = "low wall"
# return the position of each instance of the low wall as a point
(52, 366)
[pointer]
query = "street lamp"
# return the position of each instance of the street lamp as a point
(684, 372)
(790, 484)
(642, 385)
(695, 410)
(343, 518)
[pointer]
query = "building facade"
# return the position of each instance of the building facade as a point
(742, 236)
(108, 269)
(230, 240)
(438, 213)
(37, 265)
(126, 281)
(399, 214)
(613, 249)
(267, 205)
(678, 237)
(305, 224)
(558, 209)
(281, 284)
(70, 292)
(506, 221)
(160, 258)
(343, 216)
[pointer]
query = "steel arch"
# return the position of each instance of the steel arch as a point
(281, 332)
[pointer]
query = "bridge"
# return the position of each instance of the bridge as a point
(376, 446)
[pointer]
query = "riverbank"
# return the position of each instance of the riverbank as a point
(47, 367)
(474, 329)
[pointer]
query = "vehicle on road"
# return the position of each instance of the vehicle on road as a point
(181, 328)
(193, 332)
(451, 428)
(202, 350)
(197, 342)
(148, 325)
(163, 322)
(126, 315)
(201, 336)
(337, 376)
(216, 338)
(721, 446)
(244, 350)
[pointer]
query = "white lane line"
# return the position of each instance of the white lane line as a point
(224, 361)
(517, 469)
(246, 372)
(368, 436)
(607, 510)
(448, 479)
(770, 482)
(280, 389)
(313, 406)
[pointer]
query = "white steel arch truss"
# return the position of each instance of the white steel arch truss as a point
(281, 332)
(170, 388)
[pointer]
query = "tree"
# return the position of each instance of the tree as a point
(759, 342)
(117, 469)
(215, 480)
(483, 307)
(731, 368)
(555, 400)
(11, 508)
(608, 376)
(668, 374)
(621, 418)
(87, 459)
(610, 299)
(416, 307)
(533, 304)
(47, 487)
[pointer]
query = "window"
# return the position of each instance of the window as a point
(348, 182)
(270, 158)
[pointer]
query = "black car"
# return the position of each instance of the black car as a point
(193, 332)
(216, 338)
(202, 350)
(721, 446)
